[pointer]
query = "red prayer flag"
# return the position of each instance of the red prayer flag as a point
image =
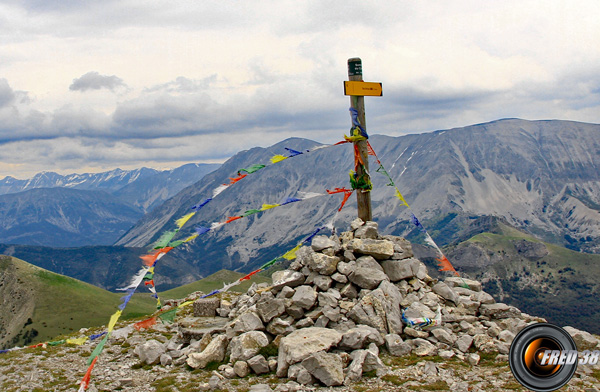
(346, 197)
(149, 259)
(232, 218)
(145, 323)
(357, 158)
(236, 179)
(445, 265)
(85, 382)
(342, 142)
(338, 190)
(247, 277)
(370, 150)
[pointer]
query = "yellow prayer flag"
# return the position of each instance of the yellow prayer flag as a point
(182, 221)
(268, 206)
(185, 304)
(193, 236)
(78, 341)
(113, 320)
(291, 254)
(278, 158)
(401, 198)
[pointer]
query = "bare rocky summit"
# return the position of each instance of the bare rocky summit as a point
(354, 312)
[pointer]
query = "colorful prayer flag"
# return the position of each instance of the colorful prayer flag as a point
(168, 316)
(113, 320)
(252, 169)
(250, 212)
(202, 230)
(278, 158)
(198, 206)
(145, 323)
(78, 341)
(164, 239)
(98, 349)
(291, 254)
(182, 221)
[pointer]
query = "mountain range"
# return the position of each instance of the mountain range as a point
(496, 195)
(539, 176)
(85, 209)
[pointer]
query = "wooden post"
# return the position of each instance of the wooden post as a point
(363, 198)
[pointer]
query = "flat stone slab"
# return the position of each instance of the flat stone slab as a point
(206, 307)
(195, 328)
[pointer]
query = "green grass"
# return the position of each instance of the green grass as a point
(61, 305)
(212, 282)
(393, 379)
(558, 286)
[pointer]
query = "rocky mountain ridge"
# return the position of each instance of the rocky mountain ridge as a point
(349, 308)
(63, 217)
(125, 184)
(85, 209)
(539, 176)
(110, 181)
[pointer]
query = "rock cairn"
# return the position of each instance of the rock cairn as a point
(342, 301)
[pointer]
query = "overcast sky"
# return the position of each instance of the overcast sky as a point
(94, 85)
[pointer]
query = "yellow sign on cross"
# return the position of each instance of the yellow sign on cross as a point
(363, 89)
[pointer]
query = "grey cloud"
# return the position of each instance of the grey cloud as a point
(7, 95)
(418, 109)
(94, 81)
(577, 90)
(268, 109)
(80, 18)
(156, 115)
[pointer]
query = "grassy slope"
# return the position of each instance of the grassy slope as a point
(63, 304)
(561, 286)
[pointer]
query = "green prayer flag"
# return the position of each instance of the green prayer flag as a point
(164, 239)
(250, 212)
(98, 349)
(270, 263)
(252, 169)
(168, 316)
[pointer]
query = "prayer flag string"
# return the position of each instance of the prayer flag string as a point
(165, 242)
(443, 261)
(169, 315)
